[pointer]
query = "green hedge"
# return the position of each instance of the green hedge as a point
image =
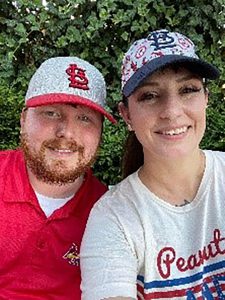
(100, 32)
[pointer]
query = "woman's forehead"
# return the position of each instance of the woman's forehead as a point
(172, 72)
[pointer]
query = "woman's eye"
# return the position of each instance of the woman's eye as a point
(147, 96)
(188, 90)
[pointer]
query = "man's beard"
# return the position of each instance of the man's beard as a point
(58, 172)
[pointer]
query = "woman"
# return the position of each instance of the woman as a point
(160, 233)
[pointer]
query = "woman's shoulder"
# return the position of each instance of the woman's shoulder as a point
(215, 155)
(215, 162)
(122, 193)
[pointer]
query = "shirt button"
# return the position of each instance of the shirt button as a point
(40, 244)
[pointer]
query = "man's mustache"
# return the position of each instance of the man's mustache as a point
(59, 144)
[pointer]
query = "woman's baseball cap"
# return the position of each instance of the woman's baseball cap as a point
(68, 80)
(159, 49)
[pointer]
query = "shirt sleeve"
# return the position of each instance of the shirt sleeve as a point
(108, 261)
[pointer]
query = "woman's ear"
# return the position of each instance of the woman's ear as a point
(124, 112)
(206, 96)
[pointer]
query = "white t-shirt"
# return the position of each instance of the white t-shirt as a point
(137, 245)
(49, 204)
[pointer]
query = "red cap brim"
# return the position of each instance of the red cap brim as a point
(62, 98)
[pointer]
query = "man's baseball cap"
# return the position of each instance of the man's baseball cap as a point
(68, 80)
(159, 49)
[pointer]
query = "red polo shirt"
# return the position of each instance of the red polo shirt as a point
(39, 256)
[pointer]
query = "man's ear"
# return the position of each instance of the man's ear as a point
(124, 112)
(23, 117)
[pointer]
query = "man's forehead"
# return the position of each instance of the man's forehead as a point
(65, 106)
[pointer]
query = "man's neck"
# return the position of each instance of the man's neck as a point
(54, 190)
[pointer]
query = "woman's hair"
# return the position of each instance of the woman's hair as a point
(133, 157)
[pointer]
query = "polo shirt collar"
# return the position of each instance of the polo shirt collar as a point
(17, 186)
(20, 190)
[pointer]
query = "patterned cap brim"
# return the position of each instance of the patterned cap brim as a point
(204, 69)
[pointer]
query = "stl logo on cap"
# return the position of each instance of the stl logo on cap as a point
(77, 77)
(161, 39)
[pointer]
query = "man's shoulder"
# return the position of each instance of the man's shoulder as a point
(8, 157)
(9, 152)
(95, 183)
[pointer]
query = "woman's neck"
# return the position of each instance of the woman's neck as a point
(174, 181)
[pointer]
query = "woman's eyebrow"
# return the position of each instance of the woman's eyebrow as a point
(147, 83)
(188, 77)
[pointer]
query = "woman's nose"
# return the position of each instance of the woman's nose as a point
(172, 107)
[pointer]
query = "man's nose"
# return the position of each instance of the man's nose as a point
(66, 128)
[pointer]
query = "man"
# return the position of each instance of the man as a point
(47, 188)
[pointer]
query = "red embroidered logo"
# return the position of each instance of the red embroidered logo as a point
(72, 255)
(133, 66)
(140, 52)
(77, 77)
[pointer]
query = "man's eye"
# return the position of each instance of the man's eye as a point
(51, 114)
(84, 118)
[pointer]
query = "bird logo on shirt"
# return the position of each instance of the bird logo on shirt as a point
(72, 255)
